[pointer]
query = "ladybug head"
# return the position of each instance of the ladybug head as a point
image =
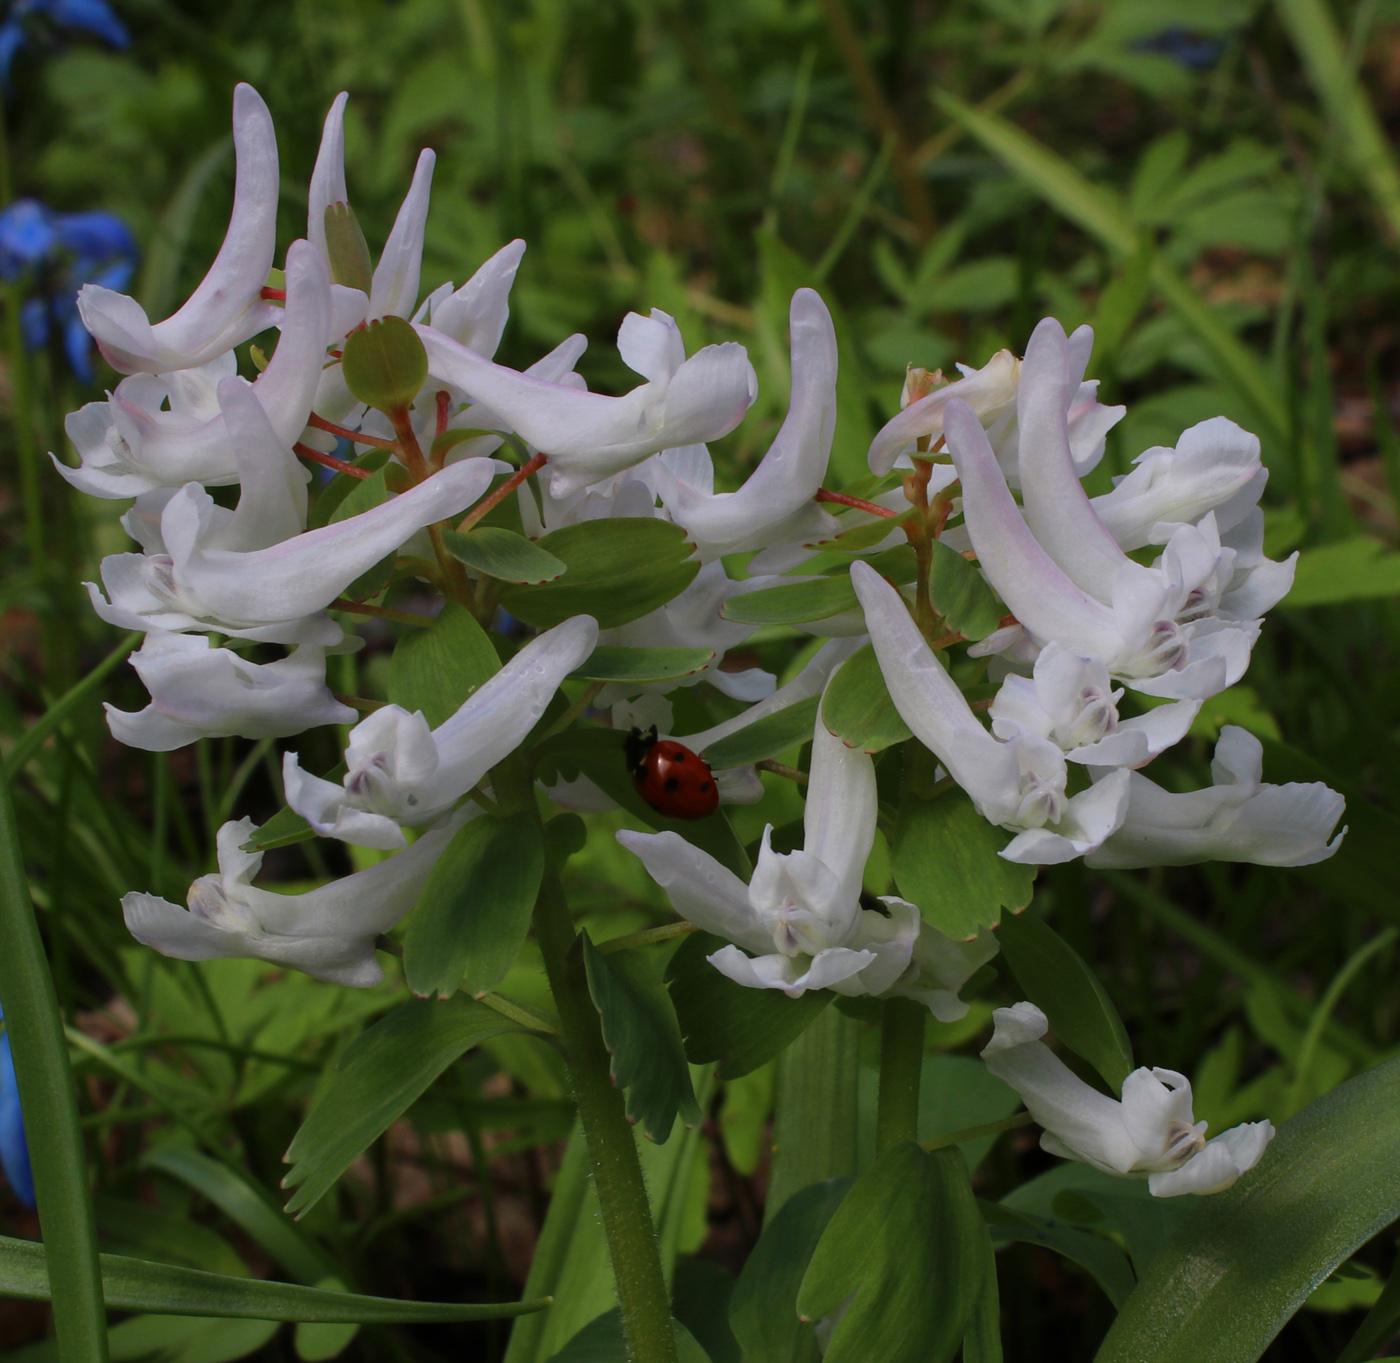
(636, 746)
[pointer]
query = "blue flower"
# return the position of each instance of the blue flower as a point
(1194, 53)
(56, 254)
(14, 1147)
(82, 16)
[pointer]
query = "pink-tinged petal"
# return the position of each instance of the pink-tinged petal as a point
(227, 307)
(701, 890)
(1135, 742)
(394, 291)
(1088, 821)
(789, 475)
(328, 177)
(1036, 590)
(476, 314)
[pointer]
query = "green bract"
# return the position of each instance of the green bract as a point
(384, 364)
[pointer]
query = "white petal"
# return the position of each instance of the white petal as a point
(476, 314)
(1137, 741)
(1219, 1165)
(1089, 819)
(839, 817)
(328, 177)
(395, 287)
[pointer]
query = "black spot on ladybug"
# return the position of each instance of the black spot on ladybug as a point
(673, 784)
(705, 787)
(673, 780)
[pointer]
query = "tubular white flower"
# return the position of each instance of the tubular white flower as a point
(475, 315)
(1214, 467)
(1238, 818)
(272, 593)
(588, 436)
(1018, 783)
(129, 445)
(328, 932)
(227, 307)
(328, 175)
(1151, 1131)
(399, 772)
(198, 691)
(395, 287)
(775, 504)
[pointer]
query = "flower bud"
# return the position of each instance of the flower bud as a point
(384, 364)
(347, 248)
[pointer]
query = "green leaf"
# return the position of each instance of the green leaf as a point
(367, 494)
(1055, 978)
(347, 248)
(616, 571)
(945, 861)
(858, 708)
(613, 663)
(503, 554)
(287, 827)
(775, 733)
(725, 1022)
(438, 669)
(862, 537)
(384, 364)
(903, 1241)
(1101, 1258)
(246, 1206)
(377, 1079)
(792, 603)
(1356, 569)
(597, 754)
(332, 496)
(35, 1028)
(474, 911)
(763, 1309)
(168, 1237)
(139, 1285)
(643, 1037)
(961, 595)
(1243, 1261)
(600, 1341)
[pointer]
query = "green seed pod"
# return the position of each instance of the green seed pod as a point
(385, 364)
(347, 248)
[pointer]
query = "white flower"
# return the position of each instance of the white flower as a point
(1214, 467)
(1239, 818)
(1018, 783)
(1070, 700)
(201, 579)
(227, 307)
(399, 772)
(588, 436)
(799, 921)
(198, 691)
(1151, 1131)
(170, 429)
(327, 932)
(775, 504)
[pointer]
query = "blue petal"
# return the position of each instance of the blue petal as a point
(34, 323)
(77, 345)
(14, 1147)
(11, 40)
(27, 237)
(92, 16)
(97, 235)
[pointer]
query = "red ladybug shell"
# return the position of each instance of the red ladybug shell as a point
(673, 780)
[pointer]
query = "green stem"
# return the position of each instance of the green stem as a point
(612, 1148)
(901, 1067)
(50, 1112)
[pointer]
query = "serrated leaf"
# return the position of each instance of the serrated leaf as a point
(763, 1309)
(617, 570)
(766, 737)
(474, 911)
(1243, 1261)
(857, 707)
(643, 1037)
(902, 1241)
(723, 1021)
(614, 663)
(945, 861)
(504, 554)
(598, 755)
(377, 1079)
(961, 595)
(436, 670)
(1054, 977)
(140, 1285)
(792, 603)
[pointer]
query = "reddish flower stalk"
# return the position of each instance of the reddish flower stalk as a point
(483, 507)
(875, 510)
(329, 460)
(359, 437)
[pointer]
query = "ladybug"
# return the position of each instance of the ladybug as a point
(673, 780)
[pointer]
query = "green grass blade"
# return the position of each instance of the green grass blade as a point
(140, 1285)
(50, 1111)
(1359, 135)
(1099, 212)
(34, 736)
(1245, 1260)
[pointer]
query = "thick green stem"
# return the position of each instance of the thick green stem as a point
(901, 1065)
(612, 1148)
(50, 1110)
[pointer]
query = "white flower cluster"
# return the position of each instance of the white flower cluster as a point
(1058, 765)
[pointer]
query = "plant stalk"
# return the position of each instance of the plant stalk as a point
(901, 1067)
(612, 1148)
